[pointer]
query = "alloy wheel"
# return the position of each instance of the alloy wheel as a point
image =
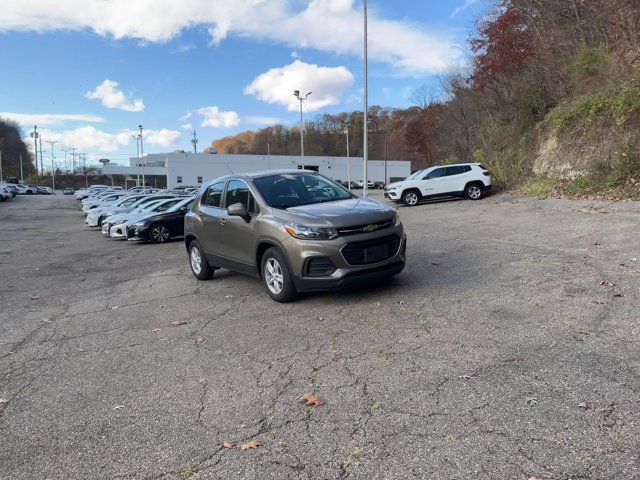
(160, 234)
(196, 261)
(411, 199)
(474, 192)
(274, 276)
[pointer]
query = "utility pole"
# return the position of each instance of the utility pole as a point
(41, 158)
(73, 159)
(21, 176)
(34, 135)
(137, 159)
(0, 165)
(296, 93)
(53, 168)
(385, 157)
(346, 132)
(365, 149)
(269, 154)
(144, 183)
(194, 141)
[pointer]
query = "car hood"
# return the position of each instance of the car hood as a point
(339, 214)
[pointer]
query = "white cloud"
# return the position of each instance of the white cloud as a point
(163, 138)
(186, 126)
(48, 118)
(277, 85)
(213, 117)
(461, 8)
(327, 25)
(112, 97)
(88, 138)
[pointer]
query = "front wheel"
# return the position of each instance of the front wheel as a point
(473, 192)
(159, 233)
(277, 277)
(199, 265)
(410, 198)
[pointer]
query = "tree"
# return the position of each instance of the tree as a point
(12, 147)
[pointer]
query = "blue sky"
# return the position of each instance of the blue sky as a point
(89, 74)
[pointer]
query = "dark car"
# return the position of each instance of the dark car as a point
(162, 227)
(68, 191)
(379, 185)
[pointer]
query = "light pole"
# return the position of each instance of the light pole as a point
(53, 168)
(135, 137)
(346, 132)
(0, 165)
(21, 176)
(144, 182)
(34, 135)
(365, 150)
(296, 93)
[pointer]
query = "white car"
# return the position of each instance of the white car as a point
(124, 205)
(86, 192)
(107, 199)
(25, 189)
(469, 180)
(360, 183)
(5, 194)
(115, 225)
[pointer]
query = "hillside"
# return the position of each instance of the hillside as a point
(550, 102)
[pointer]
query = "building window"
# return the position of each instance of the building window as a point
(199, 179)
(179, 180)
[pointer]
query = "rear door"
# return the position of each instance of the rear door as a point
(456, 178)
(212, 216)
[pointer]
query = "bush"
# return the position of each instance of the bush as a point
(614, 104)
(590, 62)
(541, 186)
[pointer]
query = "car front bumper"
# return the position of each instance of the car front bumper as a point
(393, 194)
(346, 274)
(118, 231)
(137, 234)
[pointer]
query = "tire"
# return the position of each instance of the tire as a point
(410, 198)
(198, 263)
(276, 276)
(159, 233)
(473, 191)
(100, 219)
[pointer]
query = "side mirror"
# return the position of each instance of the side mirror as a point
(238, 210)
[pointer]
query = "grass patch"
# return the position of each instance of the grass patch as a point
(541, 186)
(614, 104)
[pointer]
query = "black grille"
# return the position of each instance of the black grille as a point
(371, 251)
(319, 267)
(344, 231)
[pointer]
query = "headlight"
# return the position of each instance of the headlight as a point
(396, 220)
(304, 232)
(393, 187)
(138, 224)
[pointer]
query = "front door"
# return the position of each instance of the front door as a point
(434, 182)
(240, 243)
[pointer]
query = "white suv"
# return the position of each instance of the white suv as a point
(470, 180)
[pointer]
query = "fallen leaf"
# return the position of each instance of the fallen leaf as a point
(321, 319)
(584, 405)
(200, 340)
(465, 377)
(598, 302)
(118, 407)
(634, 260)
(35, 297)
(251, 444)
(228, 296)
(115, 308)
(596, 244)
(3, 400)
(435, 264)
(156, 330)
(532, 401)
(310, 400)
(228, 444)
(607, 283)
(179, 322)
(617, 295)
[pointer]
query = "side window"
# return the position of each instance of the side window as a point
(437, 173)
(213, 196)
(179, 179)
(457, 170)
(199, 179)
(238, 192)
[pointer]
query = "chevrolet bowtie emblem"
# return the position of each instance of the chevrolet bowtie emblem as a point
(370, 228)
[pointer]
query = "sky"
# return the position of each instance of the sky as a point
(88, 72)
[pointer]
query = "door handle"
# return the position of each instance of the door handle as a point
(222, 221)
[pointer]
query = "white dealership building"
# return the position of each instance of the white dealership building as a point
(182, 168)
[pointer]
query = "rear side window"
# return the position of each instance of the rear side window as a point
(213, 196)
(458, 169)
(238, 192)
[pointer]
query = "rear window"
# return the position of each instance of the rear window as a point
(213, 196)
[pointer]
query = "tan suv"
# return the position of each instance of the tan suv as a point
(296, 230)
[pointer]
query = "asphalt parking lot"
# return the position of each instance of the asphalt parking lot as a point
(507, 349)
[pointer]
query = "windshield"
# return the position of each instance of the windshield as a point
(184, 203)
(415, 175)
(287, 190)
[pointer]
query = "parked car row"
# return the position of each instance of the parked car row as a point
(139, 214)
(20, 189)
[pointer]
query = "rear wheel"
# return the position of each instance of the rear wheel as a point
(276, 276)
(198, 263)
(159, 233)
(410, 198)
(473, 192)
